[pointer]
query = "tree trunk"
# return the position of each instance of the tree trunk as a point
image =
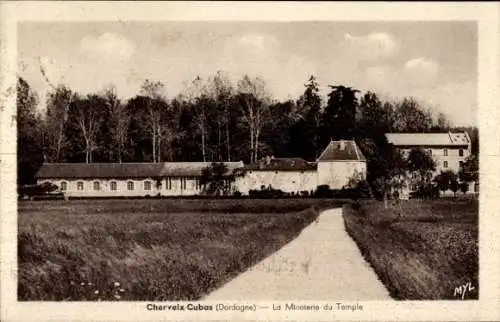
(218, 143)
(203, 143)
(227, 143)
(252, 154)
(159, 143)
(154, 144)
(59, 142)
(257, 134)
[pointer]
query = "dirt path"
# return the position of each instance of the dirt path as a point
(322, 263)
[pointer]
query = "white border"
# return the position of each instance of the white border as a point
(487, 16)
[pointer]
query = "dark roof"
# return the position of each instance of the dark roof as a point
(193, 169)
(282, 164)
(344, 150)
(126, 170)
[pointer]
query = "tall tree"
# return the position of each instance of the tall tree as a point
(421, 165)
(374, 117)
(442, 123)
(410, 116)
(196, 93)
(306, 129)
(55, 141)
(469, 170)
(86, 114)
(29, 143)
(254, 104)
(445, 180)
(339, 119)
(117, 124)
(156, 105)
(222, 90)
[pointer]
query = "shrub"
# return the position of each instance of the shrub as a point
(426, 192)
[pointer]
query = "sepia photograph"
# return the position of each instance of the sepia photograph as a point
(248, 161)
(170, 161)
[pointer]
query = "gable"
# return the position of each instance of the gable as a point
(343, 150)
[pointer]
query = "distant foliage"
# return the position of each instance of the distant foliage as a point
(215, 120)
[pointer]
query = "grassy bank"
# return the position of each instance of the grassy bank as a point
(179, 205)
(149, 249)
(421, 250)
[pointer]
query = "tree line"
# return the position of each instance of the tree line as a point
(210, 120)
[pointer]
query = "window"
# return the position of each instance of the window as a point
(445, 152)
(197, 182)
(97, 185)
(112, 185)
(461, 152)
(183, 183)
(445, 164)
(130, 185)
(147, 185)
(79, 185)
(169, 183)
(64, 186)
(460, 164)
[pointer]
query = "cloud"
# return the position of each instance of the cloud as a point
(421, 72)
(419, 78)
(374, 46)
(108, 46)
(261, 54)
(457, 100)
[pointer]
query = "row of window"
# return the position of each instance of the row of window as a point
(445, 152)
(445, 164)
(96, 185)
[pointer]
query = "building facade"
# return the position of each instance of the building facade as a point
(127, 179)
(339, 164)
(448, 150)
(291, 175)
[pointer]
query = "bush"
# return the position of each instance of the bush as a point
(266, 193)
(37, 190)
(425, 192)
(323, 191)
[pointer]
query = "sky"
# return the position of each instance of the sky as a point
(434, 62)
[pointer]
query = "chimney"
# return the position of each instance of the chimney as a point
(342, 145)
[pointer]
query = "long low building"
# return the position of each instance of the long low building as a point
(337, 165)
(127, 179)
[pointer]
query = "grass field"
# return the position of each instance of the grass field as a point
(88, 250)
(421, 250)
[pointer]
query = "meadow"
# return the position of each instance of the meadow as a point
(157, 249)
(420, 250)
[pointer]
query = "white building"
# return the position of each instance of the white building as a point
(127, 179)
(340, 162)
(448, 150)
(291, 175)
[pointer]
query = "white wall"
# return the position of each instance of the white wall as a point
(453, 157)
(122, 190)
(287, 181)
(336, 174)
